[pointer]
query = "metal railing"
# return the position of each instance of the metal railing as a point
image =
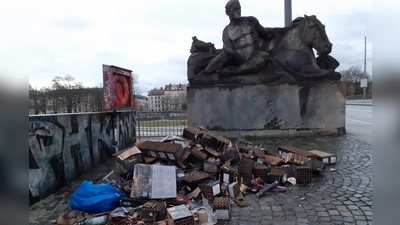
(160, 124)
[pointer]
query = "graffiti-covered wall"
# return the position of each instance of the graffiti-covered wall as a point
(64, 146)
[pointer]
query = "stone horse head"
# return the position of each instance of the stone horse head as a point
(303, 33)
(293, 49)
(314, 35)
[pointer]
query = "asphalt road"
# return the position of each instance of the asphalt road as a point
(359, 123)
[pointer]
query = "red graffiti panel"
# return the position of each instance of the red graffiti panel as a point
(117, 92)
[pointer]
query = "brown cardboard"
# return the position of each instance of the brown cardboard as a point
(129, 152)
(234, 189)
(272, 160)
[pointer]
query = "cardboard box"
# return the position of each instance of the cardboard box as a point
(232, 154)
(325, 157)
(279, 175)
(174, 151)
(220, 143)
(283, 150)
(199, 153)
(129, 157)
(315, 165)
(153, 211)
(146, 149)
(246, 165)
(194, 178)
(273, 160)
(210, 188)
(229, 173)
(246, 179)
(222, 208)
(153, 181)
(234, 189)
(261, 171)
(193, 134)
(117, 181)
(296, 159)
(179, 215)
(183, 158)
(304, 174)
(210, 167)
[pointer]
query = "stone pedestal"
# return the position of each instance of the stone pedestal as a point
(272, 109)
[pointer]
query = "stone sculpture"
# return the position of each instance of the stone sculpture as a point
(252, 53)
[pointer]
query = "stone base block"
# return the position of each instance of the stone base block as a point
(274, 109)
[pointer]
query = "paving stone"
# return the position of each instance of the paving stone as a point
(255, 220)
(245, 218)
(368, 213)
(320, 209)
(322, 214)
(302, 220)
(348, 219)
(346, 213)
(360, 218)
(266, 222)
(333, 212)
(325, 218)
(357, 212)
(341, 197)
(266, 217)
(279, 213)
(301, 215)
(277, 208)
(290, 217)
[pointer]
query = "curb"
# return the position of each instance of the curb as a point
(360, 104)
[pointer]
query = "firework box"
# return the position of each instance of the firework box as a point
(129, 157)
(153, 181)
(179, 215)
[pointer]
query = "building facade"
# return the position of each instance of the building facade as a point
(171, 97)
(141, 103)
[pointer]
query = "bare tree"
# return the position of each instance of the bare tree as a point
(136, 90)
(182, 101)
(37, 100)
(33, 99)
(354, 74)
(97, 99)
(352, 77)
(67, 91)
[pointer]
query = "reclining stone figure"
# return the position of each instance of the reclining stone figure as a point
(272, 54)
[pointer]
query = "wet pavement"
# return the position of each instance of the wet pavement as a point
(340, 197)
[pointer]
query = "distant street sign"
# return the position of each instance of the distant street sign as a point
(364, 83)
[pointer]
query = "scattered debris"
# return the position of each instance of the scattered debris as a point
(195, 178)
(292, 180)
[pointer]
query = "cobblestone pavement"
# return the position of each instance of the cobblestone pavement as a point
(341, 197)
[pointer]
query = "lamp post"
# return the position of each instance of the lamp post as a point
(288, 12)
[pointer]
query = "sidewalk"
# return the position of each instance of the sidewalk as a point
(366, 102)
(341, 197)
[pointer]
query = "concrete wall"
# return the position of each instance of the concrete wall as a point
(269, 109)
(64, 146)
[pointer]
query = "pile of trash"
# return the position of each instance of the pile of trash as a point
(192, 179)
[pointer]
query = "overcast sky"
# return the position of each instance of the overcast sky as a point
(152, 38)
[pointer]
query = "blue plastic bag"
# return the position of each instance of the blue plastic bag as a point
(95, 198)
